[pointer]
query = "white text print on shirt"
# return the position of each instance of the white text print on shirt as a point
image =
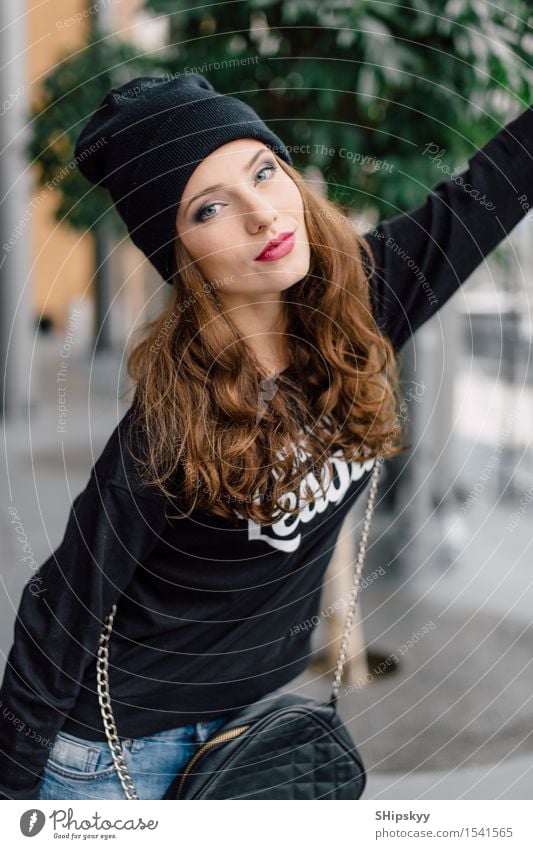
(280, 534)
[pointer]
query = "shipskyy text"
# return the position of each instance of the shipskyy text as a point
(412, 816)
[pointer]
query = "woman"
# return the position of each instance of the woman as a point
(264, 392)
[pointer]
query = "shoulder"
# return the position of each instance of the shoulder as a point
(116, 466)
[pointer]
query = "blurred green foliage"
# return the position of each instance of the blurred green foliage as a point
(379, 79)
(67, 97)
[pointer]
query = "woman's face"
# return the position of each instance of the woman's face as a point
(228, 226)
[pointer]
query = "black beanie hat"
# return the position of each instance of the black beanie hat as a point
(145, 140)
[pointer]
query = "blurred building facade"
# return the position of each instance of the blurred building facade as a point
(63, 261)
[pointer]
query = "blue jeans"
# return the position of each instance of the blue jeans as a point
(84, 769)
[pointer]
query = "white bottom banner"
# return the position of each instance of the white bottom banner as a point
(249, 824)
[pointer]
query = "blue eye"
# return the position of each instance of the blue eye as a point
(270, 165)
(200, 214)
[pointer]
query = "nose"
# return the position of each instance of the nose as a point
(258, 214)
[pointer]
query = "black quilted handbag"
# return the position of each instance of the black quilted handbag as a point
(283, 746)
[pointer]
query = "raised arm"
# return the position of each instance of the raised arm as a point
(423, 255)
(109, 531)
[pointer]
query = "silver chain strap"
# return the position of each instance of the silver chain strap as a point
(102, 684)
(356, 577)
(102, 662)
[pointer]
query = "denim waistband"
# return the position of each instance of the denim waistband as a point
(198, 731)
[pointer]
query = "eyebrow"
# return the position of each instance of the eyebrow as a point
(221, 185)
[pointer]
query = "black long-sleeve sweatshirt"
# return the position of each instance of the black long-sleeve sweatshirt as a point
(208, 612)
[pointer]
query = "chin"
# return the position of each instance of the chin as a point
(287, 280)
(299, 273)
(294, 279)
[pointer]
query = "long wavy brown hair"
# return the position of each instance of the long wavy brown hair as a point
(219, 434)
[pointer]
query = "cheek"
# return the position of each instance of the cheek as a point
(203, 247)
(292, 199)
(214, 249)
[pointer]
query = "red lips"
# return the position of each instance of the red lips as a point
(274, 242)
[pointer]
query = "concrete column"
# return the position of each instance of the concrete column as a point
(16, 214)
(434, 368)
